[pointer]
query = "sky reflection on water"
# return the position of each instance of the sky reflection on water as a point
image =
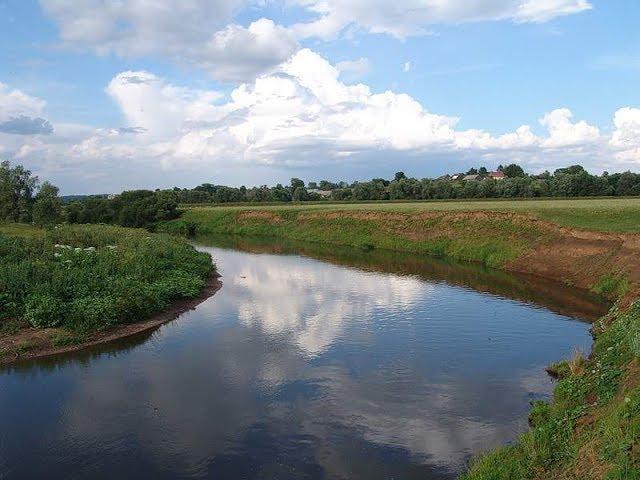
(298, 368)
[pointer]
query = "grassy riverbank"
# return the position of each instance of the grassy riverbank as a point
(60, 286)
(597, 214)
(591, 429)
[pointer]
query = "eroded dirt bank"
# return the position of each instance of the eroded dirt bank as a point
(606, 262)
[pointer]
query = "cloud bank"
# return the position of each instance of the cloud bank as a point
(300, 115)
(201, 33)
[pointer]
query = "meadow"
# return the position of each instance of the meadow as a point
(89, 278)
(599, 214)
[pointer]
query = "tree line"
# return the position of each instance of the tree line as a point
(24, 199)
(573, 181)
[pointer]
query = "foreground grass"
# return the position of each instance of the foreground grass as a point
(87, 278)
(599, 214)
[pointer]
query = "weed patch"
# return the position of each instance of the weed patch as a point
(91, 277)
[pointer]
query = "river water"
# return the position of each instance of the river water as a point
(309, 363)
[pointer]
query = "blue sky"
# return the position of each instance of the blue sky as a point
(242, 92)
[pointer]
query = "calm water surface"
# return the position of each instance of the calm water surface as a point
(332, 364)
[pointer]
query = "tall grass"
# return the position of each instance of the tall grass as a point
(92, 277)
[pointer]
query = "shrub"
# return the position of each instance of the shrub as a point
(91, 277)
(44, 310)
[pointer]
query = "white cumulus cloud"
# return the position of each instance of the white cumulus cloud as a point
(404, 18)
(15, 103)
(302, 114)
(195, 32)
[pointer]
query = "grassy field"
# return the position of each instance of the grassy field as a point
(460, 230)
(491, 240)
(20, 230)
(601, 214)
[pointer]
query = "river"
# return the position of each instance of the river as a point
(309, 363)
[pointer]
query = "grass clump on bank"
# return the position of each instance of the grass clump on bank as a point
(591, 429)
(92, 277)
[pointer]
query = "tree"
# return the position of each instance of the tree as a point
(472, 171)
(299, 194)
(513, 171)
(399, 176)
(47, 207)
(326, 185)
(17, 187)
(572, 170)
(296, 183)
(483, 171)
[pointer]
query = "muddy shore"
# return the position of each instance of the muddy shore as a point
(40, 344)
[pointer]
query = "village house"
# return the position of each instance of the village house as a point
(472, 178)
(497, 175)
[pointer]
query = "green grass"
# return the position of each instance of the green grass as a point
(64, 338)
(600, 214)
(86, 278)
(491, 240)
(612, 286)
(20, 230)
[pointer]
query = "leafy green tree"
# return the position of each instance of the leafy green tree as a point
(326, 185)
(399, 176)
(17, 187)
(572, 170)
(296, 183)
(299, 194)
(47, 207)
(513, 171)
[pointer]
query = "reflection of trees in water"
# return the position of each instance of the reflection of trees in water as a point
(557, 297)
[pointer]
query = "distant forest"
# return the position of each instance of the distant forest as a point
(24, 199)
(513, 182)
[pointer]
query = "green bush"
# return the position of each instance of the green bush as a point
(92, 277)
(43, 310)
